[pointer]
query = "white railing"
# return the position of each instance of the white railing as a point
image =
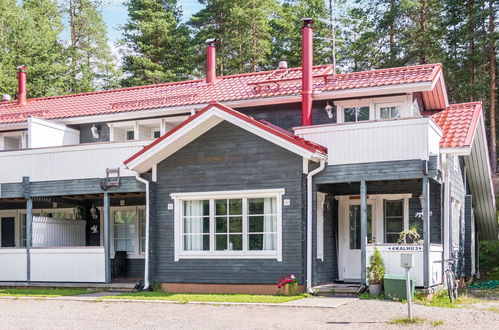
(82, 161)
(376, 141)
(391, 261)
(77, 264)
(13, 265)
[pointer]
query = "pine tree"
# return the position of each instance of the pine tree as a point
(91, 64)
(159, 44)
(29, 35)
(243, 31)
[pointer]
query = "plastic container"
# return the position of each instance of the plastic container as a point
(395, 287)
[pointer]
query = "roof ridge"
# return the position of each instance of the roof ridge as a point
(390, 69)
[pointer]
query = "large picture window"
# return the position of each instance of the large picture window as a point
(237, 224)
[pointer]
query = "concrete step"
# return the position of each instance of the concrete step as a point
(338, 289)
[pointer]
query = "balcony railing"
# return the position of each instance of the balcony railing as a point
(376, 141)
(81, 161)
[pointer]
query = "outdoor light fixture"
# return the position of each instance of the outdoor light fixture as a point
(95, 131)
(93, 212)
(420, 214)
(329, 109)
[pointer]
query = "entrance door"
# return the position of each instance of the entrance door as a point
(349, 268)
(7, 228)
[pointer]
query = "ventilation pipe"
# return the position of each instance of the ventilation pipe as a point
(211, 61)
(306, 80)
(21, 81)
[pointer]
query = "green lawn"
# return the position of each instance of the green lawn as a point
(20, 292)
(186, 297)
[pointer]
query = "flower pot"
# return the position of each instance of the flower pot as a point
(375, 289)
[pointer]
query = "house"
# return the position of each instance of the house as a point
(225, 184)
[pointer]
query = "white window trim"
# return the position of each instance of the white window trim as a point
(374, 104)
(178, 199)
(136, 240)
(456, 210)
(378, 210)
(378, 107)
(321, 200)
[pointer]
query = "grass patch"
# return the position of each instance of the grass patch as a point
(405, 320)
(206, 297)
(441, 299)
(20, 292)
(494, 309)
(437, 323)
(368, 296)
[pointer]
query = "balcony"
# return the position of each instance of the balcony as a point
(376, 141)
(81, 161)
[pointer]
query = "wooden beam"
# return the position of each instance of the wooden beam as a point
(107, 250)
(426, 231)
(363, 231)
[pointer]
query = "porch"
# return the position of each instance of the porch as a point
(354, 218)
(72, 240)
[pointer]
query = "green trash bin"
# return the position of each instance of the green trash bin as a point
(395, 287)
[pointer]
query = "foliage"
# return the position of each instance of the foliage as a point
(158, 46)
(441, 299)
(42, 292)
(376, 269)
(186, 297)
(404, 320)
(368, 296)
(489, 258)
(411, 234)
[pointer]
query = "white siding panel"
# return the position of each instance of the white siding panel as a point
(48, 232)
(68, 265)
(44, 133)
(376, 141)
(391, 260)
(66, 163)
(13, 265)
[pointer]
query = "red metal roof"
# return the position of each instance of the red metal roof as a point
(458, 123)
(227, 88)
(277, 131)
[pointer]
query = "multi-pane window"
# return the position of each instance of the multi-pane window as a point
(394, 219)
(354, 114)
(354, 225)
(130, 135)
(124, 230)
(229, 225)
(389, 112)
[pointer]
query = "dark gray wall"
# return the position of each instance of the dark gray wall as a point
(469, 237)
(288, 116)
(327, 270)
(86, 135)
(228, 158)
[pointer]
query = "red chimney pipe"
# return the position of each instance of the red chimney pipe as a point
(21, 85)
(211, 61)
(306, 71)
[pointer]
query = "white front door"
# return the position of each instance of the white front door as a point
(349, 238)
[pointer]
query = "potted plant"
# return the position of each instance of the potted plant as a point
(411, 233)
(375, 272)
(289, 284)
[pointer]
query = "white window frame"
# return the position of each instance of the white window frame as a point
(456, 210)
(179, 198)
(387, 105)
(136, 254)
(374, 104)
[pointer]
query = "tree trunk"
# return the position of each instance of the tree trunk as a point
(422, 27)
(492, 89)
(392, 33)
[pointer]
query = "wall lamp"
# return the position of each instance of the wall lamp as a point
(95, 131)
(329, 109)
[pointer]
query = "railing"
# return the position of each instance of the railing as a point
(13, 264)
(391, 261)
(376, 141)
(76, 264)
(68, 162)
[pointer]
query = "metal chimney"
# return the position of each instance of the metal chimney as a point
(211, 61)
(21, 83)
(306, 71)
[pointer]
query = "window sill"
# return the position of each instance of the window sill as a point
(235, 255)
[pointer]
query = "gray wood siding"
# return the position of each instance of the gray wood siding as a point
(86, 135)
(288, 115)
(228, 158)
(469, 231)
(327, 270)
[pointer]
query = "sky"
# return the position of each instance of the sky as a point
(115, 15)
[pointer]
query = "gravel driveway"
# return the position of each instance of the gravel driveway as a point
(369, 314)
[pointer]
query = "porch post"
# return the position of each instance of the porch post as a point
(363, 230)
(107, 249)
(29, 235)
(426, 231)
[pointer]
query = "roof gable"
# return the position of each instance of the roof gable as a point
(208, 118)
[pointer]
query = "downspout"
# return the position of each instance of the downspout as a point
(309, 223)
(146, 260)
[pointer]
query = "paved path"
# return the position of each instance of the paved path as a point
(370, 314)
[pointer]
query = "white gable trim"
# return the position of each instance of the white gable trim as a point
(201, 125)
